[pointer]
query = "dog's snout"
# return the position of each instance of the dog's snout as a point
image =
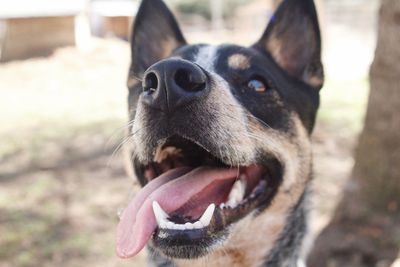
(172, 83)
(190, 80)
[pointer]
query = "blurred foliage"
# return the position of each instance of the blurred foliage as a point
(343, 104)
(203, 8)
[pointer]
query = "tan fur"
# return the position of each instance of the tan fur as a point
(227, 129)
(275, 47)
(240, 136)
(246, 246)
(169, 45)
(239, 61)
(230, 122)
(315, 81)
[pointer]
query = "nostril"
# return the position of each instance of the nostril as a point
(188, 81)
(150, 82)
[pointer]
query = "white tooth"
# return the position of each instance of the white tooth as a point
(179, 227)
(189, 226)
(159, 213)
(237, 192)
(222, 205)
(207, 215)
(232, 203)
(170, 225)
(163, 224)
(198, 225)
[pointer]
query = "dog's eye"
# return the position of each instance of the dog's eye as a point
(257, 85)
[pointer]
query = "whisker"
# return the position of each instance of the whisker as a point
(259, 120)
(117, 131)
(135, 76)
(121, 144)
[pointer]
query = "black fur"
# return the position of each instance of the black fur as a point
(293, 35)
(154, 24)
(287, 250)
(287, 58)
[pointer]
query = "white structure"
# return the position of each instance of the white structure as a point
(36, 28)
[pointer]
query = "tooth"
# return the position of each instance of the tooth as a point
(170, 225)
(159, 213)
(198, 225)
(207, 215)
(179, 227)
(237, 192)
(222, 205)
(232, 203)
(163, 224)
(189, 226)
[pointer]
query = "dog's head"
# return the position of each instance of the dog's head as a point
(220, 133)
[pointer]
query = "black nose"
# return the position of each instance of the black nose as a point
(173, 83)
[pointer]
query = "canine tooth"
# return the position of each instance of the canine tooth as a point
(198, 225)
(207, 215)
(159, 213)
(232, 204)
(189, 226)
(237, 192)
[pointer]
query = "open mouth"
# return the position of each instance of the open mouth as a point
(190, 198)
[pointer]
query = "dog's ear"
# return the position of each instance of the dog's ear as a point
(155, 35)
(293, 40)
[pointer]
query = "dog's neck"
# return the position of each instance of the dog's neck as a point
(280, 247)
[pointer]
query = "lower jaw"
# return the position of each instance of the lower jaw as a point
(198, 243)
(186, 246)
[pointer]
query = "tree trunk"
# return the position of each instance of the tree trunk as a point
(365, 229)
(217, 14)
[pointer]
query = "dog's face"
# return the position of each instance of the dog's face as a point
(220, 133)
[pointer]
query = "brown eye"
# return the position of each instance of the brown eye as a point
(257, 85)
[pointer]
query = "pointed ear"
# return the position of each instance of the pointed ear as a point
(155, 35)
(293, 40)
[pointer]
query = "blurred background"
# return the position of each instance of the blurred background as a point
(63, 70)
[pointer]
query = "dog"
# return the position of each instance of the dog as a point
(220, 142)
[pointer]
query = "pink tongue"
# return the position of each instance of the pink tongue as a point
(171, 190)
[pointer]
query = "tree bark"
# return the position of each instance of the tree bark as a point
(365, 229)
